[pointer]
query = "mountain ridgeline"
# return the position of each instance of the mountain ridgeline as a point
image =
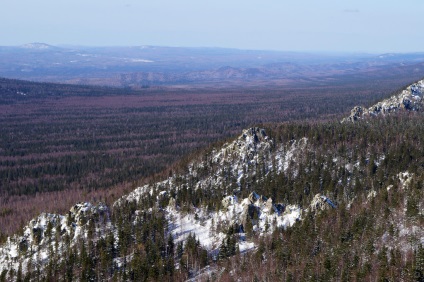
(295, 201)
(147, 66)
(409, 99)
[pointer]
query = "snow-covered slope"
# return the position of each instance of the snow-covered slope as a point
(230, 166)
(235, 160)
(410, 99)
(49, 234)
(238, 160)
(227, 175)
(210, 227)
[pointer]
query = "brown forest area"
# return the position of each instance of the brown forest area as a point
(62, 144)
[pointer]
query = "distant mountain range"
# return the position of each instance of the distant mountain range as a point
(142, 66)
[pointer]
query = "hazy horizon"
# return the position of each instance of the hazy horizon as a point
(317, 52)
(302, 26)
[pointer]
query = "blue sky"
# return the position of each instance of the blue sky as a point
(297, 25)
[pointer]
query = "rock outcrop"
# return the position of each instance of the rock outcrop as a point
(320, 202)
(49, 232)
(410, 99)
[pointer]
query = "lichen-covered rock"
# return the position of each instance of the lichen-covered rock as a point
(405, 179)
(355, 114)
(318, 203)
(172, 203)
(228, 201)
(269, 206)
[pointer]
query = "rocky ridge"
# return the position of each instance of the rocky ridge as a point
(50, 234)
(224, 173)
(238, 159)
(410, 99)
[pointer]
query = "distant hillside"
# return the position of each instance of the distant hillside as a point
(13, 90)
(143, 66)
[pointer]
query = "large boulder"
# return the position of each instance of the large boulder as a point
(318, 203)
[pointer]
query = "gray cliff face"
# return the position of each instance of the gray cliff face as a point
(410, 99)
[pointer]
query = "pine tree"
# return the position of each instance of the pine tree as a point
(223, 250)
(419, 263)
(19, 274)
(248, 227)
(3, 276)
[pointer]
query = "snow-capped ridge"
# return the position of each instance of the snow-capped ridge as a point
(410, 99)
(238, 159)
(227, 168)
(251, 148)
(37, 46)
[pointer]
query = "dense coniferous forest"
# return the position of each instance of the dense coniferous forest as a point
(171, 144)
(96, 143)
(372, 171)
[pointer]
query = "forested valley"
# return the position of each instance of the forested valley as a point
(153, 162)
(95, 143)
(373, 172)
